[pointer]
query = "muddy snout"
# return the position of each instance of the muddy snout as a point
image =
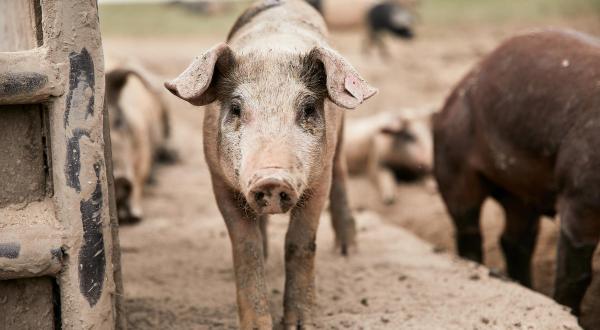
(272, 193)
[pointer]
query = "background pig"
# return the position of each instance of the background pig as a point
(318, 4)
(139, 130)
(390, 146)
(524, 128)
(388, 16)
(273, 144)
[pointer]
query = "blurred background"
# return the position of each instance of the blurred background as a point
(188, 17)
(453, 32)
(182, 230)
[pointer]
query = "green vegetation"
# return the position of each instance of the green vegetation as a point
(157, 19)
(503, 11)
(162, 19)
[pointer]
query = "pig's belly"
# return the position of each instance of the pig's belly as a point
(520, 174)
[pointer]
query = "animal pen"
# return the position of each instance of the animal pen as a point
(59, 253)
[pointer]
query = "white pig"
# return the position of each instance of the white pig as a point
(139, 131)
(272, 140)
(388, 146)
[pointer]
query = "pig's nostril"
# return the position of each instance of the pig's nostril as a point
(271, 196)
(284, 196)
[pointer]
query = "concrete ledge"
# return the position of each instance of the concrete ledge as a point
(31, 241)
(28, 77)
(30, 251)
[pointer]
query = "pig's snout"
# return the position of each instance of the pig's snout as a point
(272, 194)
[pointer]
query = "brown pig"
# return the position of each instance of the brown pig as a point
(388, 146)
(272, 141)
(139, 131)
(524, 128)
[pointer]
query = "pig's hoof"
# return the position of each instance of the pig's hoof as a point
(130, 220)
(298, 326)
(345, 249)
(348, 250)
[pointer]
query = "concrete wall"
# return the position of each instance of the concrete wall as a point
(24, 303)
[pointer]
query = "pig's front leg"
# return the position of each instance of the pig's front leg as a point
(386, 183)
(248, 261)
(300, 249)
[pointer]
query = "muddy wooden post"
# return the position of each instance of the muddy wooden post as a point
(58, 239)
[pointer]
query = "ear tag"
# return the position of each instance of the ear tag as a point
(352, 85)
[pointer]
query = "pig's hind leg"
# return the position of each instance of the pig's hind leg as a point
(579, 236)
(342, 219)
(579, 211)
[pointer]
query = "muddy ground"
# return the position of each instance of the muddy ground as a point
(177, 262)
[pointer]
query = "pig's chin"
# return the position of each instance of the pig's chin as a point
(267, 210)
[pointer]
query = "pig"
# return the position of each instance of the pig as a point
(272, 140)
(390, 146)
(204, 7)
(523, 127)
(388, 16)
(140, 135)
(317, 4)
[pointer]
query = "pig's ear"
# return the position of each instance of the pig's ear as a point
(345, 86)
(196, 83)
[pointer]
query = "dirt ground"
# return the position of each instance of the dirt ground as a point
(177, 262)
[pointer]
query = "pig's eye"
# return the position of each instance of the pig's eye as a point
(236, 110)
(309, 110)
(308, 116)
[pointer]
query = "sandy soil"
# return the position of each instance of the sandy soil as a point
(177, 262)
(178, 270)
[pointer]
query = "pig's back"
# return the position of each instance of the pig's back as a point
(535, 88)
(143, 111)
(285, 25)
(520, 114)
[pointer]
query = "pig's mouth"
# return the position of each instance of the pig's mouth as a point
(272, 192)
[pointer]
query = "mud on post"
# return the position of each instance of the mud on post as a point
(58, 241)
